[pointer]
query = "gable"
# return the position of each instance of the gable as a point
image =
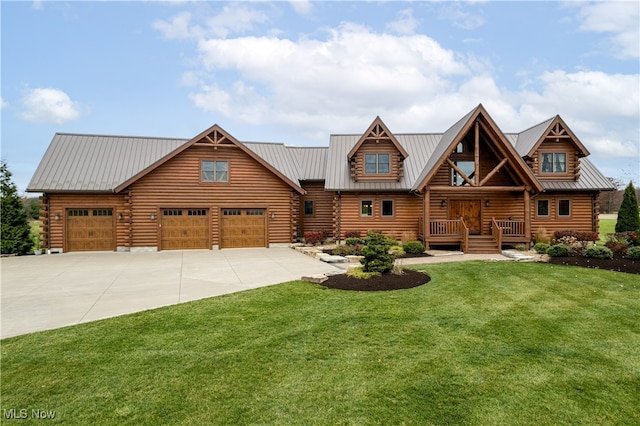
(460, 148)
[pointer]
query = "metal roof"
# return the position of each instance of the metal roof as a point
(312, 161)
(279, 157)
(76, 162)
(590, 180)
(527, 139)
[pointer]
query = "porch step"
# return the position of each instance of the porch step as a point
(482, 244)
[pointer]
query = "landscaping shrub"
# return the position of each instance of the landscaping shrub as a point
(396, 251)
(352, 234)
(630, 237)
(541, 236)
(581, 236)
(352, 241)
(313, 237)
(358, 272)
(558, 250)
(617, 243)
(633, 253)
(376, 254)
(413, 247)
(347, 250)
(598, 252)
(574, 246)
(541, 248)
(628, 218)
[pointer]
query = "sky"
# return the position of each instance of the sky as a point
(296, 72)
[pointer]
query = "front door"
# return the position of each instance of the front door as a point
(469, 211)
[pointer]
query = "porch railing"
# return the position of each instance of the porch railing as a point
(496, 231)
(444, 227)
(510, 228)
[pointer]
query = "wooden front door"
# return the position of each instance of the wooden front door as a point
(184, 229)
(243, 228)
(90, 230)
(469, 210)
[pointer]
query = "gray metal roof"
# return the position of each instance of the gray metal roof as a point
(312, 161)
(279, 157)
(526, 140)
(420, 148)
(590, 180)
(76, 162)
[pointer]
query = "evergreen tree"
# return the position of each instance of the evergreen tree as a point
(628, 219)
(14, 232)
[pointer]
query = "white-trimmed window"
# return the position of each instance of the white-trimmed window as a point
(542, 208)
(386, 208)
(564, 207)
(214, 171)
(366, 208)
(553, 162)
(376, 164)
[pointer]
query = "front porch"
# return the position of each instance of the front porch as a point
(456, 232)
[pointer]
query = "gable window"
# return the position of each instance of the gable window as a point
(543, 208)
(387, 208)
(466, 167)
(554, 162)
(564, 208)
(308, 208)
(214, 171)
(366, 208)
(376, 163)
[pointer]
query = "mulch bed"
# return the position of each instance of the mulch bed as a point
(384, 282)
(618, 263)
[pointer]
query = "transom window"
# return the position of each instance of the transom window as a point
(103, 212)
(308, 208)
(387, 207)
(366, 208)
(564, 208)
(172, 212)
(197, 212)
(215, 171)
(376, 163)
(466, 167)
(554, 162)
(543, 208)
(78, 212)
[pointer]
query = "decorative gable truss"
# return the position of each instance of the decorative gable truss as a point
(377, 156)
(215, 138)
(557, 153)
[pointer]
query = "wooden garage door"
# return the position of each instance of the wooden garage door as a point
(184, 229)
(90, 230)
(243, 228)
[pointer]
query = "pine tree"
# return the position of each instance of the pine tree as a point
(14, 229)
(628, 219)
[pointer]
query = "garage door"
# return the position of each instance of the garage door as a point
(90, 230)
(243, 228)
(184, 229)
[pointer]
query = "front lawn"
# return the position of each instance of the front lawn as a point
(481, 344)
(606, 226)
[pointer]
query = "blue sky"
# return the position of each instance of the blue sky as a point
(295, 72)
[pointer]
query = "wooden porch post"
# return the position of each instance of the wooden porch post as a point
(425, 219)
(527, 216)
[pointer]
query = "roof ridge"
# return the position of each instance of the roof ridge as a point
(535, 125)
(120, 136)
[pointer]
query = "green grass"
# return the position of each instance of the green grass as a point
(606, 226)
(481, 344)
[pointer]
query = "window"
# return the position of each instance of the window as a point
(543, 207)
(171, 212)
(197, 212)
(376, 163)
(466, 167)
(215, 171)
(387, 207)
(308, 208)
(366, 208)
(564, 208)
(103, 212)
(554, 162)
(78, 212)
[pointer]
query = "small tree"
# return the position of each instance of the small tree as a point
(628, 218)
(376, 254)
(15, 232)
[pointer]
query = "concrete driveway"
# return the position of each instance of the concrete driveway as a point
(51, 291)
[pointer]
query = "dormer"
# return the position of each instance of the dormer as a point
(377, 156)
(556, 153)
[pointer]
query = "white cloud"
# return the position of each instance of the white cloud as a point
(231, 19)
(3, 104)
(404, 24)
(302, 7)
(48, 105)
(618, 18)
(461, 18)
